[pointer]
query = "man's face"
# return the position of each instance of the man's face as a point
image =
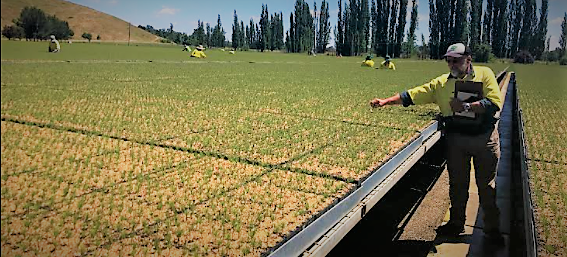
(458, 65)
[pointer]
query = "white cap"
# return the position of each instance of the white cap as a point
(457, 50)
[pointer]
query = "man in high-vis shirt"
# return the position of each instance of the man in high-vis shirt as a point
(198, 52)
(368, 62)
(54, 46)
(387, 64)
(464, 141)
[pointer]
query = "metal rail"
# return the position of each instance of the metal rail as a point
(325, 232)
(529, 231)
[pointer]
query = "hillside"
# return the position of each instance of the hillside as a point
(80, 18)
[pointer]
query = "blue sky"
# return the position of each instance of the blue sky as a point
(185, 14)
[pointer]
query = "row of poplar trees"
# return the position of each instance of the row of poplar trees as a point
(507, 27)
(308, 31)
(378, 26)
(202, 35)
(265, 35)
(353, 33)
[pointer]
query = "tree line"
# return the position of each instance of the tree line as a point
(265, 35)
(504, 29)
(34, 24)
(202, 35)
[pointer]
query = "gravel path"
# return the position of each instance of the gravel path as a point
(430, 212)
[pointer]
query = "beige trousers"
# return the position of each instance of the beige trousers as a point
(484, 149)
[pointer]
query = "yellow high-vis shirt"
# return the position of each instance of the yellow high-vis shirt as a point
(198, 54)
(368, 63)
(441, 89)
(54, 45)
(390, 66)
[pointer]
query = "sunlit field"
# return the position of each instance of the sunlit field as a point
(110, 149)
(543, 92)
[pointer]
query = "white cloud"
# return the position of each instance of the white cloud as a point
(167, 11)
(556, 21)
(553, 42)
(113, 2)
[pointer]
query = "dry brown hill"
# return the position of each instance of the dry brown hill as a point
(80, 18)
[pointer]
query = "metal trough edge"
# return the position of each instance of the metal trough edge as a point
(337, 221)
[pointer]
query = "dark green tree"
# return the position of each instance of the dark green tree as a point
(339, 30)
(292, 41)
(59, 28)
(412, 28)
(218, 34)
(38, 26)
(235, 32)
(198, 37)
(487, 22)
(87, 36)
(461, 29)
(280, 33)
(499, 28)
(315, 24)
(424, 48)
(264, 29)
(541, 33)
(476, 22)
(563, 38)
(302, 28)
(242, 37)
(273, 31)
(514, 26)
(434, 31)
(400, 27)
(252, 39)
(392, 30)
(381, 16)
(34, 21)
(324, 28)
(528, 25)
(12, 31)
(444, 9)
(364, 19)
(208, 36)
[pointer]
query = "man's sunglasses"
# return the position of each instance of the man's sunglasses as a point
(451, 61)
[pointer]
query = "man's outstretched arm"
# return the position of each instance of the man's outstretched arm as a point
(376, 102)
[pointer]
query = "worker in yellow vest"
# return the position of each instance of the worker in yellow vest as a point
(368, 62)
(199, 52)
(387, 64)
(54, 46)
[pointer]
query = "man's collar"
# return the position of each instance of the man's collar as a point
(469, 72)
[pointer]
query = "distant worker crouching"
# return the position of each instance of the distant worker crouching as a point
(368, 62)
(198, 52)
(54, 46)
(387, 64)
(186, 48)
